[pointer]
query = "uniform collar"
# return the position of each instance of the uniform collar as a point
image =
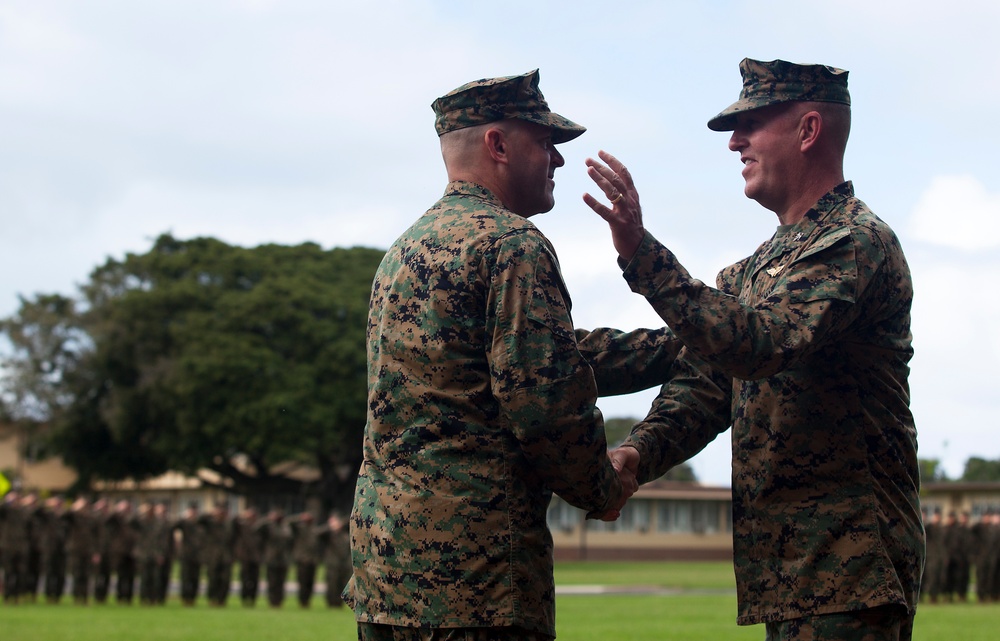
(466, 188)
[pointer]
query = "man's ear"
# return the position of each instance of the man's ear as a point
(810, 128)
(496, 144)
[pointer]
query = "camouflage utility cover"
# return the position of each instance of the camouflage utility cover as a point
(492, 99)
(777, 81)
(480, 405)
(804, 349)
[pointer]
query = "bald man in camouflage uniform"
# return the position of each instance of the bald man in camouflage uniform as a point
(481, 401)
(803, 349)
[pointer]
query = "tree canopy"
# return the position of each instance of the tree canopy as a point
(980, 469)
(198, 354)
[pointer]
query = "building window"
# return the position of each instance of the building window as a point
(674, 516)
(562, 516)
(634, 518)
(981, 508)
(693, 517)
(705, 517)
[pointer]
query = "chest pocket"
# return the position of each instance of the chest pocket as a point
(823, 270)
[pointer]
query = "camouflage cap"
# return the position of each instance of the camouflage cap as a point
(493, 99)
(770, 83)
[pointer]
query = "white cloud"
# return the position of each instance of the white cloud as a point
(957, 212)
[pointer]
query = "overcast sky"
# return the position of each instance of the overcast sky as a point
(265, 121)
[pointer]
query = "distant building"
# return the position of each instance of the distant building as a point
(663, 520)
(959, 496)
(20, 464)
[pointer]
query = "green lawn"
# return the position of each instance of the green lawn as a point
(700, 605)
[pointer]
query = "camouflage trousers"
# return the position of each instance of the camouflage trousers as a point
(379, 632)
(249, 581)
(15, 568)
(306, 576)
(884, 623)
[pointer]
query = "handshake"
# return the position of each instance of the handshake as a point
(625, 460)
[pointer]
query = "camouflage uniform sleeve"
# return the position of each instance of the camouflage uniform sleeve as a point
(803, 308)
(545, 388)
(627, 362)
(692, 408)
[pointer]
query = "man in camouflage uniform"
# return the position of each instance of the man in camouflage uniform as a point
(335, 538)
(959, 543)
(192, 539)
(991, 564)
(154, 538)
(101, 572)
(248, 552)
(481, 401)
(277, 555)
(306, 554)
(217, 553)
(978, 535)
(803, 349)
(15, 532)
(119, 534)
(81, 547)
(932, 582)
(51, 534)
(29, 588)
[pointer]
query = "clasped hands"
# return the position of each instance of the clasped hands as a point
(625, 461)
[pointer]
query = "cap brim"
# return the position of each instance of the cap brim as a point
(726, 119)
(563, 129)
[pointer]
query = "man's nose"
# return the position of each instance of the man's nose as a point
(557, 158)
(736, 141)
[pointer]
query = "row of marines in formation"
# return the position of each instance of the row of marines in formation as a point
(957, 545)
(97, 544)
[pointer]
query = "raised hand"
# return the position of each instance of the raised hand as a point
(625, 215)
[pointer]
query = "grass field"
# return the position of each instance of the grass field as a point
(697, 605)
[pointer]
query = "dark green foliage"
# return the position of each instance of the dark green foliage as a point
(931, 471)
(199, 354)
(980, 469)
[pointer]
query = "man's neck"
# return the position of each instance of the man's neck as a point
(805, 198)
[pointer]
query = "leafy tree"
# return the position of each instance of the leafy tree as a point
(931, 471)
(45, 338)
(681, 472)
(198, 354)
(617, 429)
(980, 469)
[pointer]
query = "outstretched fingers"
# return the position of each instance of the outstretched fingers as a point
(624, 215)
